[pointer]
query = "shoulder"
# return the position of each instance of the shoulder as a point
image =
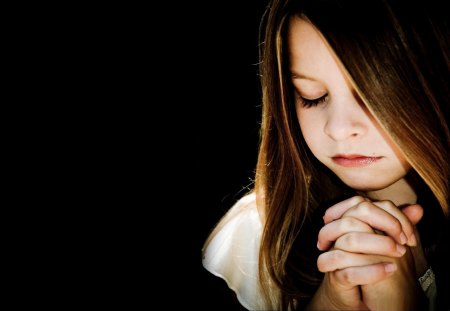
(244, 211)
(240, 224)
(232, 251)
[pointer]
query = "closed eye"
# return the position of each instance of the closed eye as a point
(313, 102)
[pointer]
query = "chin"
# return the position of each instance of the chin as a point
(367, 185)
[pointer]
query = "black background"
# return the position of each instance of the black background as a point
(162, 106)
(190, 147)
(227, 131)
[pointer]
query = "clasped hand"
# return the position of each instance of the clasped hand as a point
(367, 259)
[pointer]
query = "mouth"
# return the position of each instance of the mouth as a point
(354, 160)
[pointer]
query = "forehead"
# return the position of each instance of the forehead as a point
(309, 54)
(307, 48)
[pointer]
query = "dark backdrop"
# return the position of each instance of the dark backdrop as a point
(164, 110)
(206, 137)
(226, 129)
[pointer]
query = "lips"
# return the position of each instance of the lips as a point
(354, 160)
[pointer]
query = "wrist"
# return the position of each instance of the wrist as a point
(332, 297)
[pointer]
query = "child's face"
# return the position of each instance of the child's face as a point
(336, 125)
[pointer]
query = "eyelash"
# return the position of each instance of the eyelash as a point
(313, 102)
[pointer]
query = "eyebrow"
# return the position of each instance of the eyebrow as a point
(296, 75)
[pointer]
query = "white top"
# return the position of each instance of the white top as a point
(232, 253)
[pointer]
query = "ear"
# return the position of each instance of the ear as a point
(414, 213)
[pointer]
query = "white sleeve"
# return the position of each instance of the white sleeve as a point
(232, 253)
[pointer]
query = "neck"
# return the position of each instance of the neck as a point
(400, 193)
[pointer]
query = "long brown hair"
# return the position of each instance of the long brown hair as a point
(397, 57)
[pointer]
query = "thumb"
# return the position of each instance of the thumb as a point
(414, 213)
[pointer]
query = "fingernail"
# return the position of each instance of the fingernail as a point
(318, 246)
(390, 267)
(401, 249)
(403, 238)
(412, 240)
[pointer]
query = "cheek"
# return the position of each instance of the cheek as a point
(394, 149)
(401, 159)
(310, 128)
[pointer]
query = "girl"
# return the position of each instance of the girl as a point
(350, 206)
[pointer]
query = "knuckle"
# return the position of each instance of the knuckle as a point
(350, 240)
(364, 208)
(357, 199)
(348, 276)
(387, 205)
(345, 224)
(336, 257)
(329, 261)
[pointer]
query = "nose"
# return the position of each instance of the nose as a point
(346, 120)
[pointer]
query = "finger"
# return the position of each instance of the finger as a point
(364, 275)
(414, 212)
(378, 218)
(337, 259)
(336, 211)
(333, 230)
(407, 225)
(369, 243)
